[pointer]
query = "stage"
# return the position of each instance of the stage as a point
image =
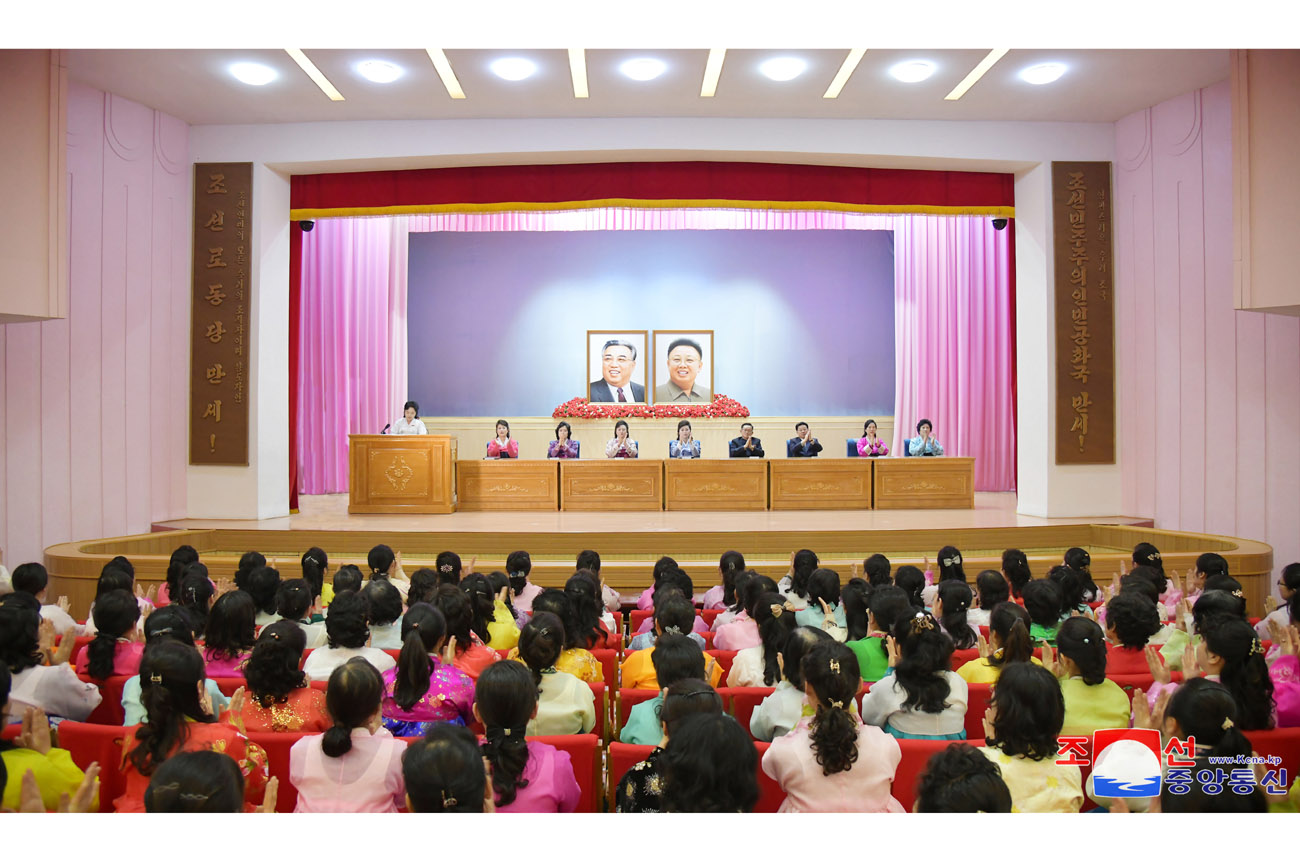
(630, 542)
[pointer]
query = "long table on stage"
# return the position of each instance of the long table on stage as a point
(924, 482)
(611, 485)
(826, 484)
(715, 485)
(506, 485)
(394, 474)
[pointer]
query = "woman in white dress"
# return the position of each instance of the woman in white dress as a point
(409, 422)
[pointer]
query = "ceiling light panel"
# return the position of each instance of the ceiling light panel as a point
(314, 72)
(578, 72)
(783, 68)
(643, 68)
(912, 71)
(513, 68)
(977, 73)
(845, 72)
(446, 73)
(379, 71)
(1042, 73)
(255, 74)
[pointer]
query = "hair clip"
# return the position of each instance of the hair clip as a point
(155, 678)
(1086, 640)
(445, 568)
(166, 630)
(835, 666)
(1257, 647)
(275, 635)
(777, 610)
(673, 629)
(310, 559)
(1155, 554)
(839, 705)
(447, 802)
(946, 563)
(1227, 723)
(923, 622)
(516, 574)
(1238, 593)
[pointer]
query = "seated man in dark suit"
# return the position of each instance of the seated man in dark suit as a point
(746, 444)
(803, 444)
(618, 363)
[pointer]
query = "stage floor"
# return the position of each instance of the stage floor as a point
(330, 514)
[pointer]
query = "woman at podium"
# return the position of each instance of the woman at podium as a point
(410, 422)
(503, 445)
(562, 447)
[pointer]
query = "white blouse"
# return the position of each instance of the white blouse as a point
(56, 690)
(322, 662)
(400, 427)
(884, 705)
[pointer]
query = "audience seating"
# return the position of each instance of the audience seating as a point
(623, 757)
(104, 743)
(916, 754)
(977, 701)
(709, 615)
(109, 711)
(627, 699)
(608, 659)
(635, 618)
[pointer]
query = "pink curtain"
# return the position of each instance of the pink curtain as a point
(952, 321)
(352, 375)
(952, 341)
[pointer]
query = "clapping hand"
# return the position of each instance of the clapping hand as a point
(35, 733)
(30, 800)
(1049, 660)
(449, 650)
(269, 796)
(1156, 664)
(855, 569)
(1113, 589)
(237, 701)
(983, 643)
(64, 604)
(66, 644)
(891, 647)
(1180, 615)
(1191, 669)
(467, 570)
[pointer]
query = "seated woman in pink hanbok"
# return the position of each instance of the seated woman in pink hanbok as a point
(527, 775)
(833, 762)
(426, 686)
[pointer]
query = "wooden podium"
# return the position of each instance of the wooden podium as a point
(400, 474)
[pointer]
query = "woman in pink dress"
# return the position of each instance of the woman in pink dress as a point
(231, 632)
(871, 445)
(527, 775)
(114, 651)
(832, 762)
(503, 445)
(423, 688)
(355, 766)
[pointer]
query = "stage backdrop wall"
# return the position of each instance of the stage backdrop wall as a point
(802, 321)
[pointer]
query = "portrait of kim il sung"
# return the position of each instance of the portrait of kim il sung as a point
(683, 366)
(616, 366)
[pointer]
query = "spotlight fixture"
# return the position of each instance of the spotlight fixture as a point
(783, 68)
(1043, 73)
(643, 68)
(912, 71)
(513, 68)
(255, 74)
(379, 71)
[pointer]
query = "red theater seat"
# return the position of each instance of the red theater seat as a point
(977, 701)
(744, 701)
(608, 659)
(709, 616)
(628, 698)
(109, 711)
(916, 754)
(637, 617)
(104, 743)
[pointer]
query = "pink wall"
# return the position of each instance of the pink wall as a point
(93, 407)
(1209, 396)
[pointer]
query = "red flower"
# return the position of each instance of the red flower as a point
(721, 407)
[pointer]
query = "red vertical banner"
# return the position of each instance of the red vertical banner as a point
(221, 313)
(1085, 312)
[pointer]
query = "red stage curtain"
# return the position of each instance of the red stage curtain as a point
(652, 184)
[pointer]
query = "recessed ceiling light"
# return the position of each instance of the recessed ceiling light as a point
(783, 68)
(513, 68)
(912, 71)
(379, 71)
(1043, 73)
(643, 68)
(255, 74)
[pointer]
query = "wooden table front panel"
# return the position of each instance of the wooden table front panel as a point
(925, 482)
(507, 485)
(611, 485)
(831, 484)
(715, 485)
(400, 474)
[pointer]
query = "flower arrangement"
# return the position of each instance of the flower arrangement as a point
(721, 407)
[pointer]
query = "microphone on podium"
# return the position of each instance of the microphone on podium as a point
(385, 430)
